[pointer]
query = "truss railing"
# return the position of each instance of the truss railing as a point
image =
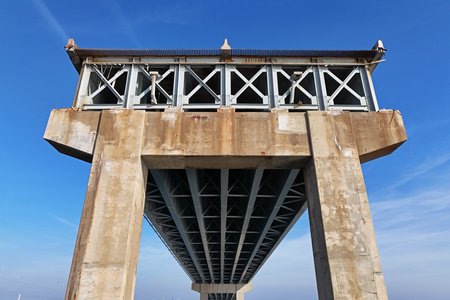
(210, 86)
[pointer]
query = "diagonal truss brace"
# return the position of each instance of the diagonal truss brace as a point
(161, 183)
(286, 187)
(193, 184)
(342, 85)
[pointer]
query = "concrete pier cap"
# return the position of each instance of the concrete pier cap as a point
(178, 139)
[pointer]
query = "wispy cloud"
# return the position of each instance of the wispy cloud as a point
(414, 240)
(64, 221)
(115, 9)
(50, 19)
(426, 166)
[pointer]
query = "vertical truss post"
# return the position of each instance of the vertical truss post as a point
(83, 87)
(321, 90)
(225, 85)
(369, 91)
(131, 87)
(265, 99)
(178, 86)
(232, 99)
(272, 86)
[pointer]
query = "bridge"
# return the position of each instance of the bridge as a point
(222, 151)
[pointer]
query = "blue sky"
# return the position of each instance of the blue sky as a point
(42, 191)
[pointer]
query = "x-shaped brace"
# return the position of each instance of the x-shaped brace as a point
(249, 83)
(343, 84)
(108, 83)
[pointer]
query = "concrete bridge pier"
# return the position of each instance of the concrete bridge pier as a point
(106, 252)
(221, 288)
(345, 251)
(328, 146)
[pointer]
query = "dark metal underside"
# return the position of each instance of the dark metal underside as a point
(221, 296)
(221, 225)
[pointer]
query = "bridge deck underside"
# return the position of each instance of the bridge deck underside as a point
(222, 224)
(221, 297)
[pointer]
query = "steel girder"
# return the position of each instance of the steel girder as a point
(222, 225)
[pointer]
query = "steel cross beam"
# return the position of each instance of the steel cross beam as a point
(193, 184)
(248, 213)
(160, 181)
(223, 217)
(283, 235)
(151, 220)
(281, 197)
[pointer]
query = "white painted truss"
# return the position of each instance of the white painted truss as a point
(106, 85)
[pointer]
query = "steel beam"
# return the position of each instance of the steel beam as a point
(108, 84)
(284, 191)
(161, 183)
(248, 213)
(223, 217)
(150, 218)
(193, 185)
(369, 90)
(283, 235)
(321, 89)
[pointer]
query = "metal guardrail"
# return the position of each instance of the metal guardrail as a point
(210, 85)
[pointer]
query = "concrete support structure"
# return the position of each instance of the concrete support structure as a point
(329, 146)
(237, 290)
(105, 259)
(345, 250)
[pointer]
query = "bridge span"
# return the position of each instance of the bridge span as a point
(223, 151)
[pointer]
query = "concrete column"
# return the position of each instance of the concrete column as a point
(345, 251)
(239, 296)
(203, 296)
(106, 251)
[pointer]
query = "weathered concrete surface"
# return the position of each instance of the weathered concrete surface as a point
(106, 251)
(377, 133)
(176, 139)
(345, 250)
(225, 139)
(73, 132)
(221, 288)
(122, 143)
